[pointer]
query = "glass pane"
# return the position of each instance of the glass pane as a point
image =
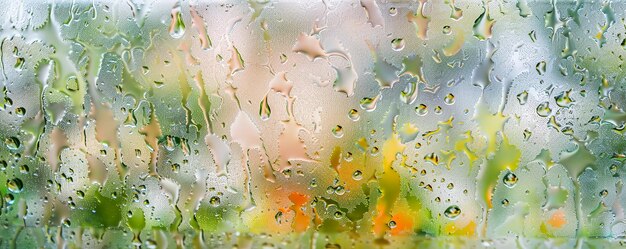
(312, 124)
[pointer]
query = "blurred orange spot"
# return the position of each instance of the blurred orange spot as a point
(557, 219)
(380, 221)
(403, 224)
(301, 220)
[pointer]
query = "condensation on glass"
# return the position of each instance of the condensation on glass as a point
(312, 124)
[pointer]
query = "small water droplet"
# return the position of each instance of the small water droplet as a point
(522, 97)
(527, 134)
(215, 201)
(452, 212)
(9, 199)
(72, 84)
(20, 111)
(397, 44)
(368, 104)
(392, 224)
(338, 215)
(510, 179)
(357, 175)
(340, 190)
(175, 167)
(604, 193)
(541, 67)
(354, 115)
(279, 217)
(613, 169)
(421, 110)
(393, 11)
(264, 109)
(446, 29)
(338, 131)
(449, 99)
(438, 110)
(374, 151)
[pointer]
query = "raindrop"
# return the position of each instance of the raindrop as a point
(338, 131)
(357, 175)
(215, 201)
(452, 212)
(421, 110)
(510, 179)
(522, 97)
(15, 185)
(353, 115)
(397, 44)
(12, 143)
(449, 99)
(543, 109)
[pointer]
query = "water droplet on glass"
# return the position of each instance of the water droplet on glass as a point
(421, 110)
(438, 110)
(15, 185)
(392, 224)
(541, 67)
(393, 11)
(177, 25)
(24, 169)
(340, 190)
(264, 109)
(527, 133)
(338, 131)
(214, 201)
(543, 109)
(72, 84)
(353, 114)
(510, 179)
(604, 193)
(450, 186)
(338, 215)
(12, 143)
(20, 111)
(397, 44)
(368, 104)
(446, 29)
(564, 99)
(357, 175)
(452, 212)
(522, 97)
(449, 99)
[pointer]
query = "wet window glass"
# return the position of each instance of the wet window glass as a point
(312, 124)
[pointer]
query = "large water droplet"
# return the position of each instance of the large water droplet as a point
(543, 109)
(15, 185)
(12, 143)
(452, 212)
